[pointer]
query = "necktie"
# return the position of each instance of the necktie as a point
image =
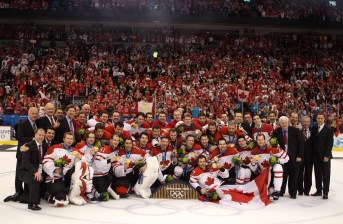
(71, 126)
(305, 133)
(285, 137)
(52, 121)
(40, 154)
(34, 126)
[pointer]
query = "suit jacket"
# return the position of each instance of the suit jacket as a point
(323, 142)
(25, 134)
(247, 128)
(308, 153)
(30, 162)
(296, 142)
(44, 122)
(63, 128)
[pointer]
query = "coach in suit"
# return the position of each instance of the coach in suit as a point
(25, 134)
(240, 125)
(323, 144)
(67, 124)
(48, 119)
(305, 173)
(30, 171)
(292, 141)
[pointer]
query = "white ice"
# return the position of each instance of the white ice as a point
(305, 209)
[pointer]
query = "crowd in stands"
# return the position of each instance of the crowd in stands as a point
(318, 10)
(188, 71)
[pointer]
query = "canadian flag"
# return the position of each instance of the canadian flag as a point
(243, 95)
(251, 195)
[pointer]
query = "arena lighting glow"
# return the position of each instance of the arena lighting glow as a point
(246, 0)
(155, 54)
(332, 3)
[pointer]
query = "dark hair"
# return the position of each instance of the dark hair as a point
(99, 125)
(71, 106)
(119, 124)
(240, 136)
(260, 134)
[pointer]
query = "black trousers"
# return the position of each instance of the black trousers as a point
(305, 176)
(102, 183)
(322, 173)
(34, 191)
(290, 173)
(57, 189)
(18, 183)
(129, 180)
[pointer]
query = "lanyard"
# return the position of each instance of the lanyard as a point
(67, 148)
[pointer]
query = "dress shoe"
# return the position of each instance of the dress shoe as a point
(293, 197)
(14, 197)
(316, 194)
(124, 196)
(325, 196)
(306, 193)
(276, 195)
(34, 207)
(300, 193)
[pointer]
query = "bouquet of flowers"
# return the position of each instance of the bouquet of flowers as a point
(237, 161)
(181, 152)
(252, 144)
(139, 164)
(184, 160)
(169, 178)
(61, 162)
(213, 196)
(180, 129)
(273, 142)
(121, 141)
(273, 160)
(81, 131)
(210, 140)
(98, 144)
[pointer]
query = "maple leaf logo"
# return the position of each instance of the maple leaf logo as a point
(227, 165)
(165, 163)
(210, 181)
(66, 159)
(131, 165)
(242, 95)
(246, 161)
(239, 196)
(265, 163)
(192, 161)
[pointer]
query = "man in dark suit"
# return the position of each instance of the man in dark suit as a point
(48, 119)
(50, 136)
(292, 141)
(25, 134)
(272, 119)
(30, 171)
(323, 144)
(86, 108)
(305, 173)
(67, 124)
(240, 125)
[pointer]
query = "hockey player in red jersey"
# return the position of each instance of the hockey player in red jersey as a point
(262, 157)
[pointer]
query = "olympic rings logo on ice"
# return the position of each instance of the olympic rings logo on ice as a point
(177, 194)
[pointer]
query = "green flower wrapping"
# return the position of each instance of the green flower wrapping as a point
(252, 144)
(98, 144)
(121, 141)
(81, 131)
(273, 142)
(169, 178)
(210, 140)
(180, 129)
(273, 160)
(60, 162)
(184, 160)
(181, 152)
(139, 164)
(237, 161)
(213, 196)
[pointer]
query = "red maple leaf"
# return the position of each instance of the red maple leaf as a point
(66, 159)
(227, 165)
(265, 163)
(242, 95)
(192, 161)
(210, 181)
(131, 165)
(165, 163)
(239, 196)
(246, 161)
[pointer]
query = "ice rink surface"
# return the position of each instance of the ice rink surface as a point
(305, 209)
